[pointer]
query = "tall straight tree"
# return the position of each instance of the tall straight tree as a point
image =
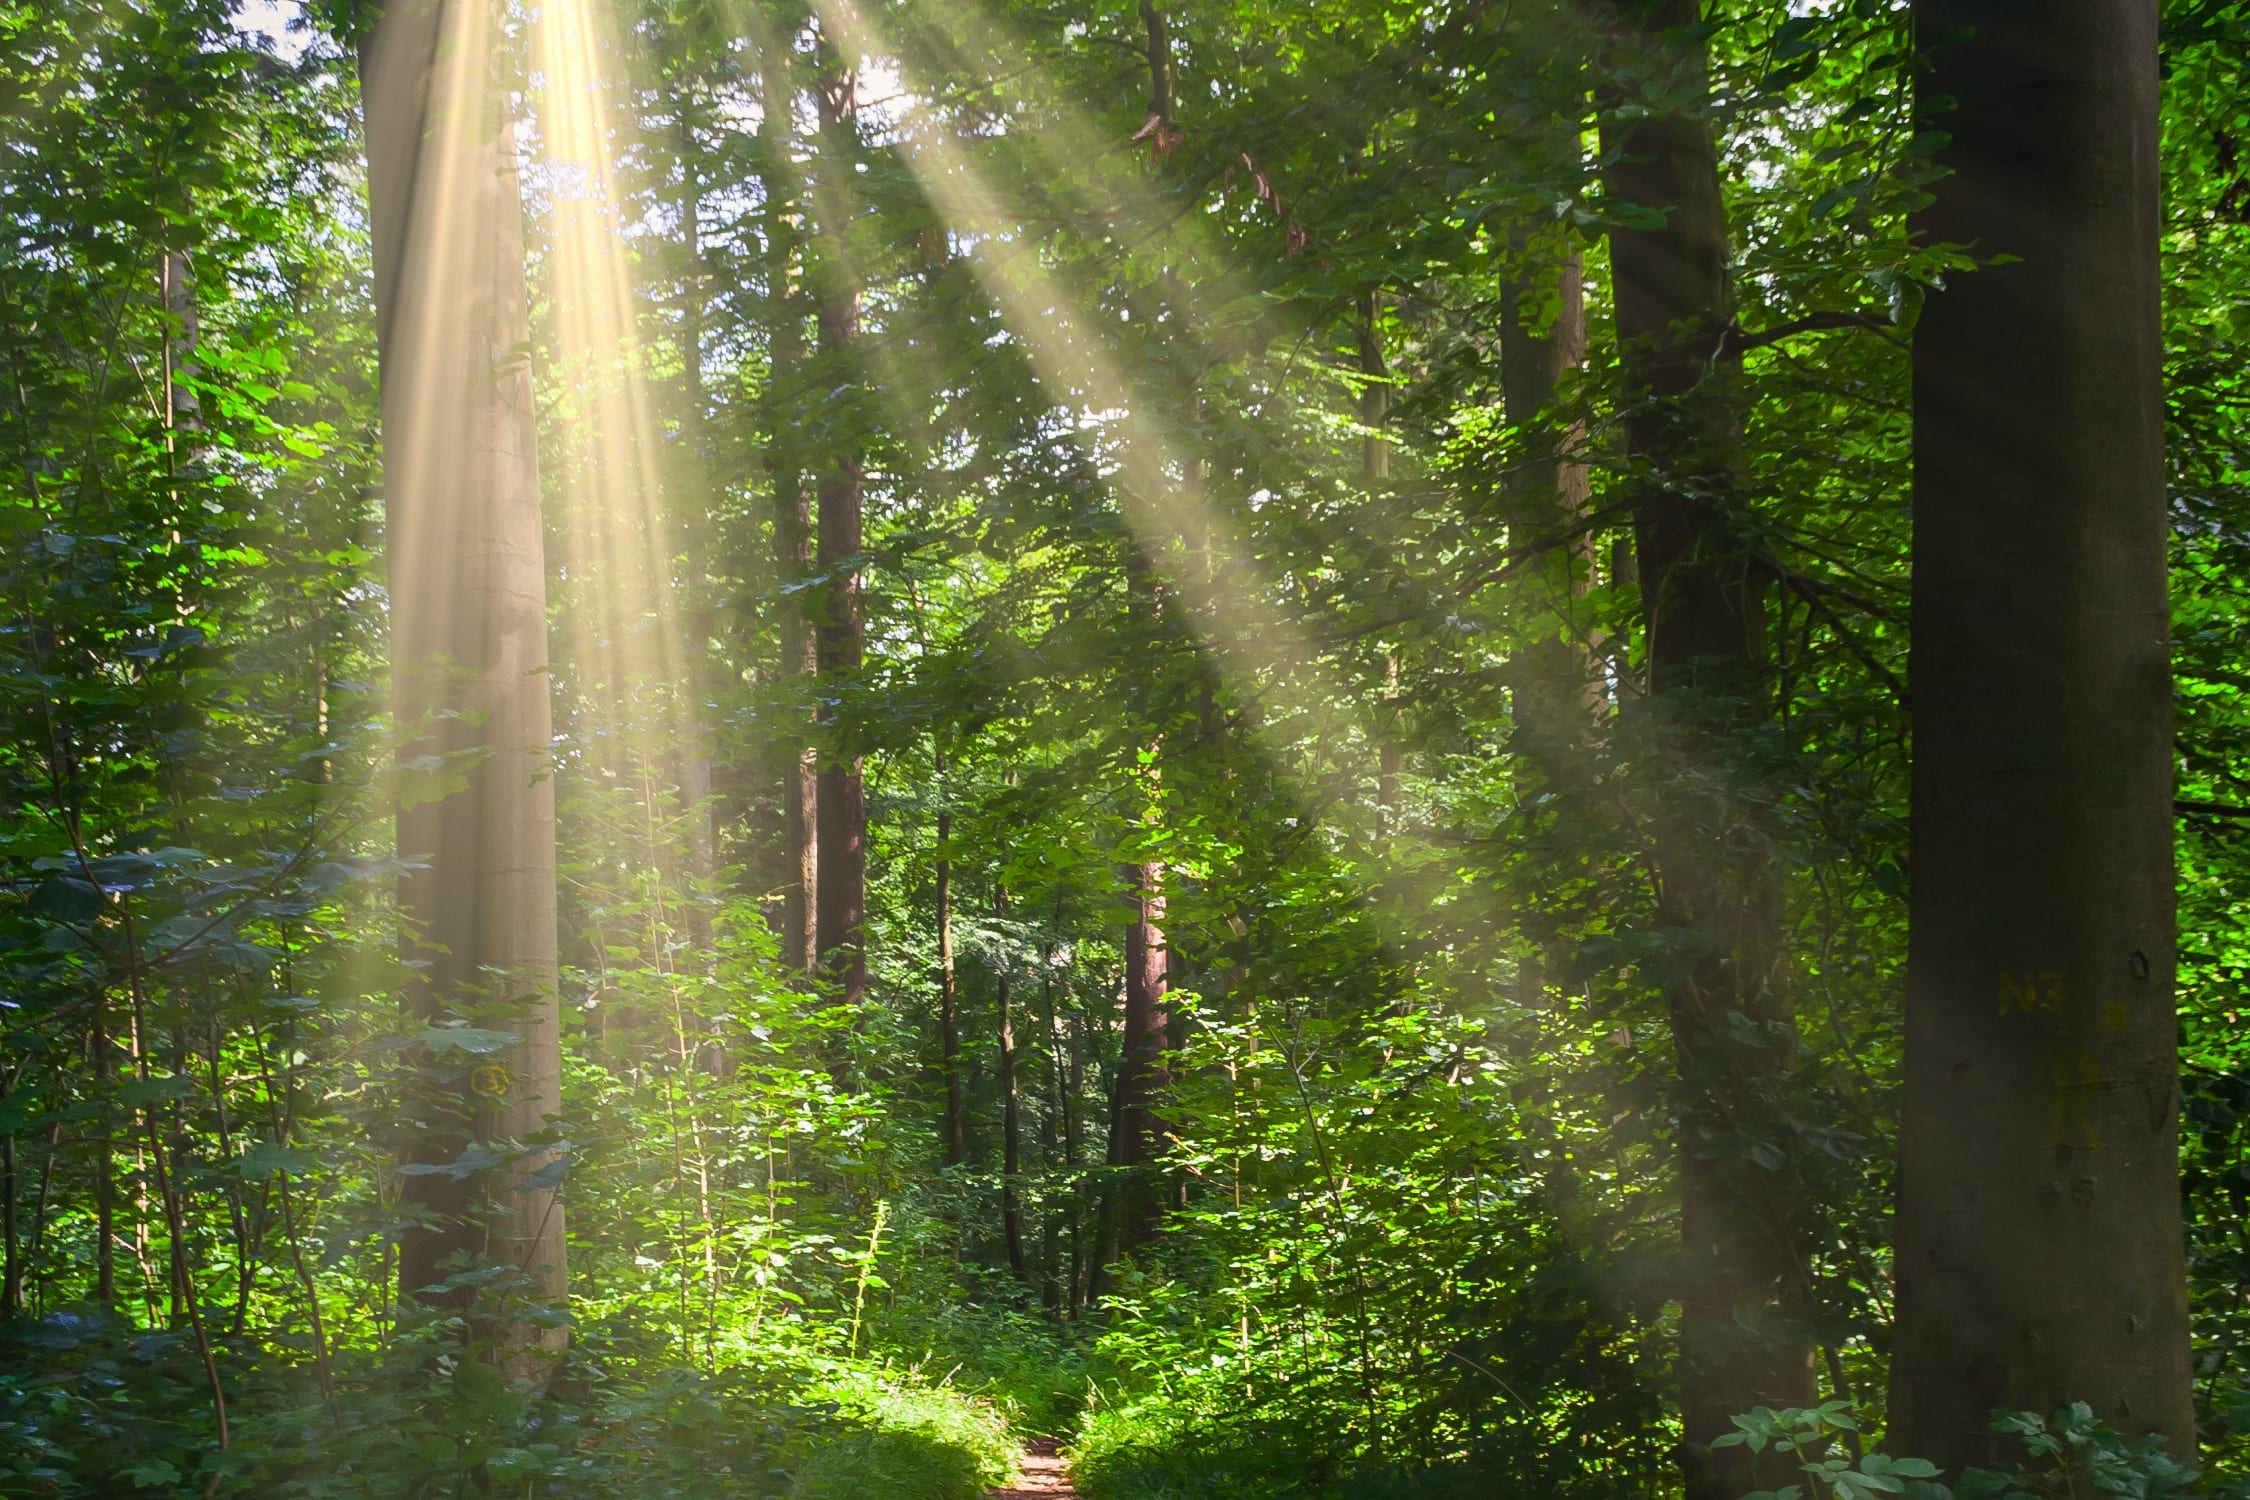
(2038, 1244)
(792, 499)
(1132, 1206)
(842, 875)
(468, 611)
(1704, 611)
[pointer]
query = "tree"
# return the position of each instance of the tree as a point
(2038, 1243)
(841, 879)
(469, 648)
(1703, 606)
(794, 552)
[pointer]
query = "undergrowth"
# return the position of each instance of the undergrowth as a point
(89, 1408)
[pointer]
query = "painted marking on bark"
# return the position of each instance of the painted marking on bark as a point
(2025, 991)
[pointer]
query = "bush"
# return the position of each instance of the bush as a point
(1152, 1452)
(894, 1438)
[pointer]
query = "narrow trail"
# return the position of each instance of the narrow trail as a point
(1044, 1475)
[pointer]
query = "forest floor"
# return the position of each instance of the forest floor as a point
(1044, 1475)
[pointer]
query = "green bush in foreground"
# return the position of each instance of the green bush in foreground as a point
(902, 1440)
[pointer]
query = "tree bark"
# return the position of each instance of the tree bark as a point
(842, 878)
(1011, 1124)
(1132, 1206)
(1741, 1338)
(1546, 491)
(693, 513)
(2039, 1250)
(792, 516)
(954, 1130)
(468, 644)
(105, 1166)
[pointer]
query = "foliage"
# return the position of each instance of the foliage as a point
(2073, 1454)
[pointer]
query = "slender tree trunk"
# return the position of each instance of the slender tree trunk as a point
(468, 643)
(949, 994)
(105, 1169)
(793, 518)
(842, 879)
(1080, 1264)
(11, 1272)
(1742, 1290)
(1133, 1203)
(1066, 1082)
(1547, 488)
(1375, 467)
(1011, 1125)
(692, 508)
(1375, 394)
(2039, 1249)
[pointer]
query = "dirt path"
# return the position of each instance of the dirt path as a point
(1044, 1477)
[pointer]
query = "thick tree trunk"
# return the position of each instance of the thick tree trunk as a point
(842, 878)
(1741, 1339)
(1132, 1207)
(2039, 1252)
(468, 638)
(1133, 1203)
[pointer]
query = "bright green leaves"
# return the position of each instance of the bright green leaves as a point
(1814, 1437)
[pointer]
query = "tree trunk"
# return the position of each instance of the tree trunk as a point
(1375, 468)
(2039, 1251)
(105, 1166)
(1132, 1205)
(468, 644)
(842, 879)
(11, 1268)
(953, 1130)
(1375, 394)
(1011, 1124)
(1741, 1338)
(1546, 491)
(693, 513)
(1066, 1081)
(792, 519)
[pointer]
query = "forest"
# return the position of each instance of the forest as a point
(1142, 749)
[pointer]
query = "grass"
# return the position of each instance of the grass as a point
(1151, 1453)
(903, 1439)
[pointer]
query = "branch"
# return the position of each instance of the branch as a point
(2190, 807)
(1738, 340)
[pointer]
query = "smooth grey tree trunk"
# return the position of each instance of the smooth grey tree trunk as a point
(841, 888)
(792, 509)
(2038, 1242)
(467, 579)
